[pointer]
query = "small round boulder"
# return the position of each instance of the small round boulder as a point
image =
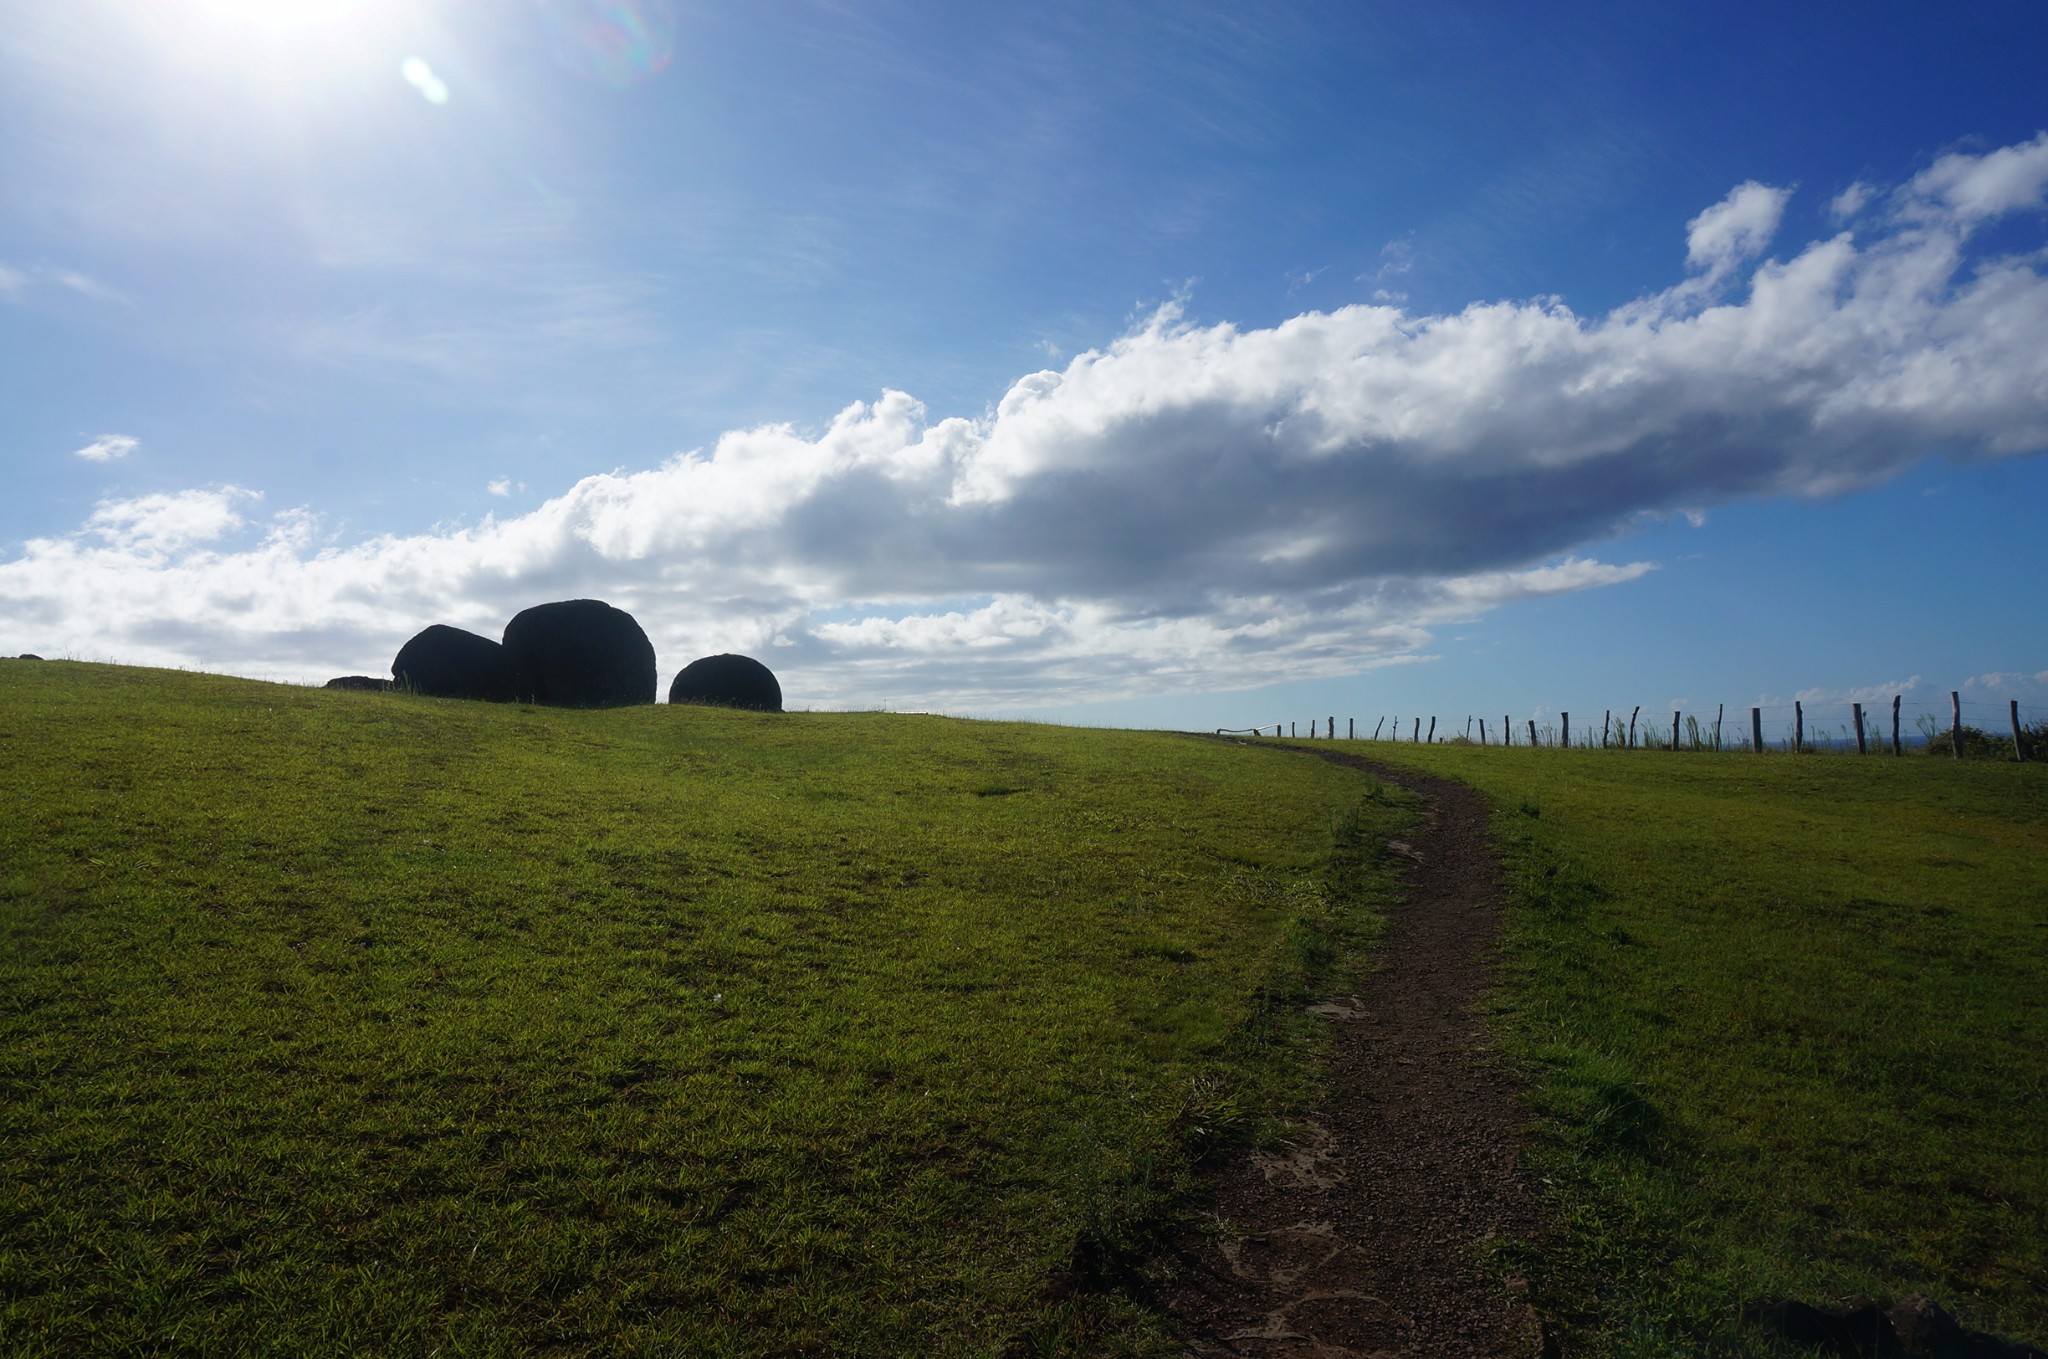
(445, 662)
(368, 683)
(580, 653)
(728, 681)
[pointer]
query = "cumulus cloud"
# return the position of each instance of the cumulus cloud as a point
(152, 525)
(2030, 690)
(1736, 229)
(1968, 188)
(1850, 201)
(1870, 695)
(108, 447)
(1188, 507)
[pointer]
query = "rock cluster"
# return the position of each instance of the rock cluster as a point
(727, 681)
(575, 653)
(1916, 1328)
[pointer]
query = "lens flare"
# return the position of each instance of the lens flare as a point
(421, 77)
(617, 42)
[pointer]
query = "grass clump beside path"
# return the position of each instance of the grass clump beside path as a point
(338, 1023)
(1787, 1024)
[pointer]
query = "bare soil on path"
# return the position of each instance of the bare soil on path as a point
(1368, 1237)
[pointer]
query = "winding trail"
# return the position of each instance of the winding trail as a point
(1368, 1236)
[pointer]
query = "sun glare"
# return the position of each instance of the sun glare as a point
(285, 16)
(292, 50)
(235, 32)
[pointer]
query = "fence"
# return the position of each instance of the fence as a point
(1793, 728)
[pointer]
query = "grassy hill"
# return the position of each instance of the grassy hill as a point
(338, 1023)
(1787, 1020)
(341, 1023)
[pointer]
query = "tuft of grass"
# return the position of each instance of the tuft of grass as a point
(368, 1023)
(1786, 1027)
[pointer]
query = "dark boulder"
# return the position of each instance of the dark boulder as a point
(370, 682)
(580, 653)
(445, 662)
(1856, 1329)
(28, 656)
(1916, 1328)
(728, 681)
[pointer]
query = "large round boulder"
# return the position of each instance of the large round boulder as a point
(368, 683)
(728, 681)
(580, 653)
(445, 662)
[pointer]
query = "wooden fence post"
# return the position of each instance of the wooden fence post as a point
(1351, 729)
(1507, 731)
(1856, 711)
(1290, 731)
(1955, 723)
(1756, 730)
(1897, 749)
(1606, 723)
(2019, 751)
(1432, 731)
(1798, 727)
(1632, 727)
(1482, 731)
(1376, 728)
(1532, 731)
(1415, 733)
(1566, 719)
(1674, 731)
(1719, 711)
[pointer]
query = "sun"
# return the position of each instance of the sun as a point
(292, 48)
(285, 17)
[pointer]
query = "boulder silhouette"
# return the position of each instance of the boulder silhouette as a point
(370, 682)
(728, 681)
(580, 653)
(445, 662)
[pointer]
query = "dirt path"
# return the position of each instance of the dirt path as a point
(1367, 1238)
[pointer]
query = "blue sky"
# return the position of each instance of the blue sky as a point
(1192, 365)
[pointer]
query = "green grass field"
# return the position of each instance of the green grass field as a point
(339, 1023)
(1787, 1025)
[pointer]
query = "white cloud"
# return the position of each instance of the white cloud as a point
(501, 487)
(1736, 229)
(2030, 690)
(1850, 201)
(1869, 695)
(154, 524)
(1297, 279)
(14, 282)
(108, 447)
(1972, 188)
(1187, 508)
(85, 285)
